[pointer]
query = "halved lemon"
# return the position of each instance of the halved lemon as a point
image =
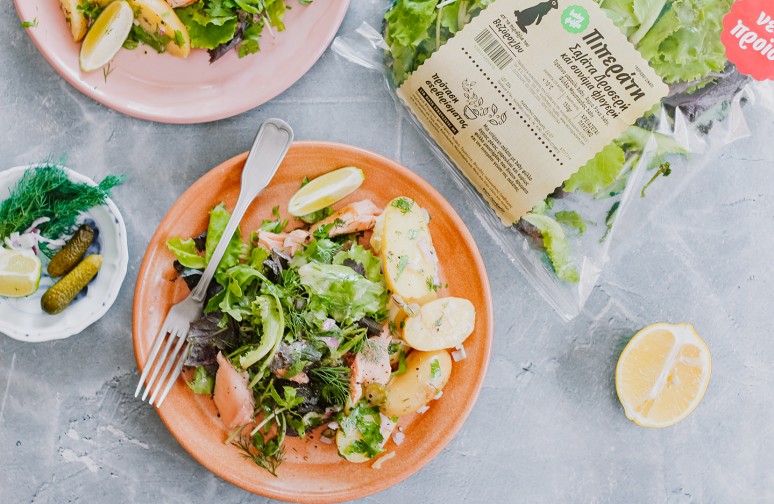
(325, 190)
(106, 36)
(662, 374)
(19, 273)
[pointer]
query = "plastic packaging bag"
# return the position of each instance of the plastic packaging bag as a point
(562, 244)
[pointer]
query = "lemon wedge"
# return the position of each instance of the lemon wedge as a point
(106, 36)
(19, 273)
(662, 374)
(325, 190)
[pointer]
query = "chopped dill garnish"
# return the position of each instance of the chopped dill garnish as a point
(335, 381)
(47, 191)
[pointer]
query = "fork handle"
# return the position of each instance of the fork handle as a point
(269, 148)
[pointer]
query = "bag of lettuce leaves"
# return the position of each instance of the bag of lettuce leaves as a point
(562, 244)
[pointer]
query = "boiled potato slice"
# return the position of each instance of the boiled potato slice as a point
(426, 374)
(443, 323)
(156, 16)
(75, 18)
(408, 257)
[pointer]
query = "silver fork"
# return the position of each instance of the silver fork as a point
(269, 148)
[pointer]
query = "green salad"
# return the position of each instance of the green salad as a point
(316, 327)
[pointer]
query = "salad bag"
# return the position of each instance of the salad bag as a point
(556, 100)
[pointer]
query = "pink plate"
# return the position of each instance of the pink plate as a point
(160, 87)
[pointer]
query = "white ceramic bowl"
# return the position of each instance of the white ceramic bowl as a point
(24, 320)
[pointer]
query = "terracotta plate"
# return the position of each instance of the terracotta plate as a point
(313, 471)
(160, 87)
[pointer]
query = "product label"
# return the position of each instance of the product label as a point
(748, 34)
(526, 94)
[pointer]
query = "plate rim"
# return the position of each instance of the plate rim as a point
(117, 281)
(125, 108)
(469, 404)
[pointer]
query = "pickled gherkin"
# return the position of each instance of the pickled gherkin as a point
(62, 293)
(70, 255)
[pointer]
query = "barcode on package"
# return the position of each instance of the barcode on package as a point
(494, 49)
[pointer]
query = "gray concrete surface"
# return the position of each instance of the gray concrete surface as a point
(547, 426)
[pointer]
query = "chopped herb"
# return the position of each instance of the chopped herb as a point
(179, 39)
(30, 24)
(305, 181)
(431, 285)
(335, 382)
(611, 214)
(435, 370)
(267, 454)
(91, 10)
(372, 350)
(402, 265)
(438, 321)
(393, 329)
(412, 233)
(403, 204)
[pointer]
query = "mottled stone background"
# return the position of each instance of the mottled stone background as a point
(547, 426)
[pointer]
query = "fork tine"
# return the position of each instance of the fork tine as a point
(175, 373)
(159, 363)
(151, 358)
(170, 362)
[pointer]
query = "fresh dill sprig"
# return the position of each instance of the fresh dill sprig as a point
(267, 454)
(372, 350)
(47, 191)
(335, 380)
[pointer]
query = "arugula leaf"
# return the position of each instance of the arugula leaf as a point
(599, 172)
(203, 382)
(556, 245)
(186, 253)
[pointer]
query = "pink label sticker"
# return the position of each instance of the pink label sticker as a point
(748, 34)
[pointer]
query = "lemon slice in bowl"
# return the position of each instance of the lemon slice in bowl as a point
(662, 374)
(325, 190)
(106, 36)
(19, 273)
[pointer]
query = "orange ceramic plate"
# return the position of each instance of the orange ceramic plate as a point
(313, 471)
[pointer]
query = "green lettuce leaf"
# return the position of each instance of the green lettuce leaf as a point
(203, 382)
(236, 249)
(371, 264)
(557, 247)
(572, 219)
(342, 293)
(207, 32)
(599, 172)
(185, 252)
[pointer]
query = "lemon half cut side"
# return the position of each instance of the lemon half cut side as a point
(19, 273)
(662, 374)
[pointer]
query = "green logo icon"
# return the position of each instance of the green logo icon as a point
(575, 19)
